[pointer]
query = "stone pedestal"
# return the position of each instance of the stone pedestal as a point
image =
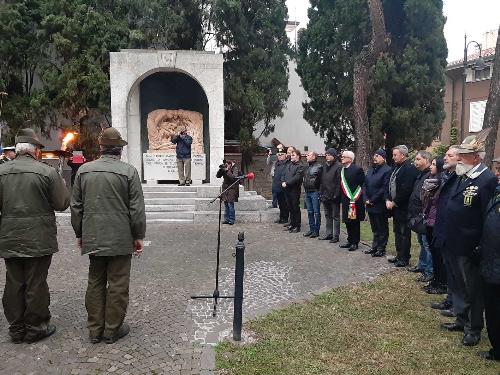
(163, 167)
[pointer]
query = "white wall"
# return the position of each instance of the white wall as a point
(292, 129)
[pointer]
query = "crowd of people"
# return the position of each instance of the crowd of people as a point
(452, 204)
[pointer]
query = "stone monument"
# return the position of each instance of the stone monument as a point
(129, 68)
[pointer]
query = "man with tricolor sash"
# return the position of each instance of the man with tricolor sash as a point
(353, 208)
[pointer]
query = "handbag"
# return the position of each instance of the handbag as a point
(417, 224)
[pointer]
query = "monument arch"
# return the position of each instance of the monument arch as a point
(186, 85)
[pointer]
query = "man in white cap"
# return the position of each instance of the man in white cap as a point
(9, 153)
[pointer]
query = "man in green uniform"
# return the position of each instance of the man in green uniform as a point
(30, 191)
(109, 220)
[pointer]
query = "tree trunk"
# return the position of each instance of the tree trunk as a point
(366, 59)
(492, 111)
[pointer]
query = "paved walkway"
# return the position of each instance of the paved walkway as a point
(170, 333)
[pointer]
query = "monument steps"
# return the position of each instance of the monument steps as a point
(167, 204)
(169, 194)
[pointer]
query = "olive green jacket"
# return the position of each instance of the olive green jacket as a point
(107, 207)
(30, 191)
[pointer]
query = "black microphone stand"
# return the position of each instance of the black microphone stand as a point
(216, 295)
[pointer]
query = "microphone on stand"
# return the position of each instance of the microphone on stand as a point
(249, 175)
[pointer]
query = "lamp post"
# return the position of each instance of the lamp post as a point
(478, 65)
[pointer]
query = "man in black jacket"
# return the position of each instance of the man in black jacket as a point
(330, 195)
(312, 182)
(490, 271)
(466, 209)
(353, 209)
(397, 197)
(291, 181)
(438, 234)
(376, 182)
(279, 169)
(423, 161)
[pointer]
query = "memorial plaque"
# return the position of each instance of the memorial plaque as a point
(163, 167)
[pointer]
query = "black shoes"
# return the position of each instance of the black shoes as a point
(447, 313)
(488, 356)
(280, 221)
(314, 235)
(334, 240)
(435, 289)
(17, 339)
(370, 251)
(188, 183)
(393, 260)
(295, 230)
(95, 339)
(181, 184)
(471, 339)
(445, 305)
(379, 254)
(49, 331)
(326, 237)
(424, 278)
(308, 234)
(122, 332)
(401, 263)
(345, 245)
(415, 269)
(353, 247)
(452, 327)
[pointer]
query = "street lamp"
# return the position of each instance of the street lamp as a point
(479, 65)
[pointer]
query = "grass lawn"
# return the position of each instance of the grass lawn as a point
(382, 327)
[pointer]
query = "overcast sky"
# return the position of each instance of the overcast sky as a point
(474, 17)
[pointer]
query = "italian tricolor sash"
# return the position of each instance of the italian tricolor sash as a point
(353, 197)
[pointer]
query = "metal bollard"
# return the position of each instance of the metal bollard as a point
(238, 287)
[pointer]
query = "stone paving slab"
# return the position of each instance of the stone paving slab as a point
(170, 333)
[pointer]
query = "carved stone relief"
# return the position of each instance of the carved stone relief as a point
(165, 123)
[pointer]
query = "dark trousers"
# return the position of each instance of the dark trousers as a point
(283, 206)
(380, 229)
(467, 293)
(106, 299)
(293, 202)
(402, 235)
(492, 314)
(332, 216)
(353, 231)
(438, 267)
(26, 297)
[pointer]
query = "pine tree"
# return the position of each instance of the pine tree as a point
(406, 84)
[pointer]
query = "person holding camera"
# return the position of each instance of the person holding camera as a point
(183, 143)
(229, 172)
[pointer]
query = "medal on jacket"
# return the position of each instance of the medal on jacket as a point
(353, 197)
(469, 193)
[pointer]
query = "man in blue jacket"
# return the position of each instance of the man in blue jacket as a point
(183, 151)
(466, 210)
(376, 181)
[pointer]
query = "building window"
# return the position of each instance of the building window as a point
(480, 75)
(306, 148)
(476, 116)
